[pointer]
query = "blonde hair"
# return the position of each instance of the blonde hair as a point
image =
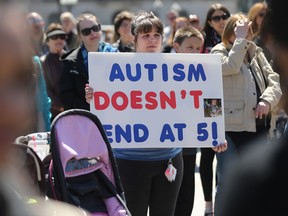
(230, 25)
(187, 32)
(253, 13)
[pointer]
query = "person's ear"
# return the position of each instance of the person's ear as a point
(176, 46)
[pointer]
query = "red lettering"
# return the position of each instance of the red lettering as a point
(135, 97)
(196, 94)
(120, 101)
(101, 97)
(115, 100)
(165, 99)
(151, 101)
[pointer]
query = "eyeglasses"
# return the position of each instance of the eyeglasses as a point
(218, 18)
(94, 28)
(55, 37)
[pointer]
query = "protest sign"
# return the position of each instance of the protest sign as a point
(158, 99)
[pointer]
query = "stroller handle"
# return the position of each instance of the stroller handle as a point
(33, 136)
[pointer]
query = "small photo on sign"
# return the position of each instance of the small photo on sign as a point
(212, 107)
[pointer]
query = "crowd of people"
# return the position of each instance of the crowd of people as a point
(254, 90)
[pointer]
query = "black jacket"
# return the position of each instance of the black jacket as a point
(73, 81)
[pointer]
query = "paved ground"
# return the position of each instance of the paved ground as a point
(199, 204)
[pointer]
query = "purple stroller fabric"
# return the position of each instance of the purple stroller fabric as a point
(78, 137)
(82, 151)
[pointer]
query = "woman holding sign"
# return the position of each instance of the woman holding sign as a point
(216, 18)
(151, 177)
(251, 90)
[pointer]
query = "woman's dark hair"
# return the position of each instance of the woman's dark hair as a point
(144, 22)
(120, 17)
(207, 30)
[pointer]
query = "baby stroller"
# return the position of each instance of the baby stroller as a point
(36, 146)
(30, 165)
(83, 169)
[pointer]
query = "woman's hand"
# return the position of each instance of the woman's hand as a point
(221, 147)
(243, 29)
(88, 93)
(262, 109)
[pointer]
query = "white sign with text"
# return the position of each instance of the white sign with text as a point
(156, 100)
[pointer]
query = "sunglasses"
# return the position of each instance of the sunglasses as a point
(55, 37)
(94, 28)
(218, 18)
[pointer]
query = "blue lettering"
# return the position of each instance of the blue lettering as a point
(179, 73)
(202, 132)
(180, 127)
(196, 72)
(167, 133)
(126, 134)
(150, 68)
(107, 129)
(116, 73)
(165, 72)
(137, 76)
(141, 133)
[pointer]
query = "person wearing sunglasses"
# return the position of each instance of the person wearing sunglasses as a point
(212, 30)
(52, 66)
(214, 24)
(75, 63)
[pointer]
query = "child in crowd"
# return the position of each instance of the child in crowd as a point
(187, 39)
